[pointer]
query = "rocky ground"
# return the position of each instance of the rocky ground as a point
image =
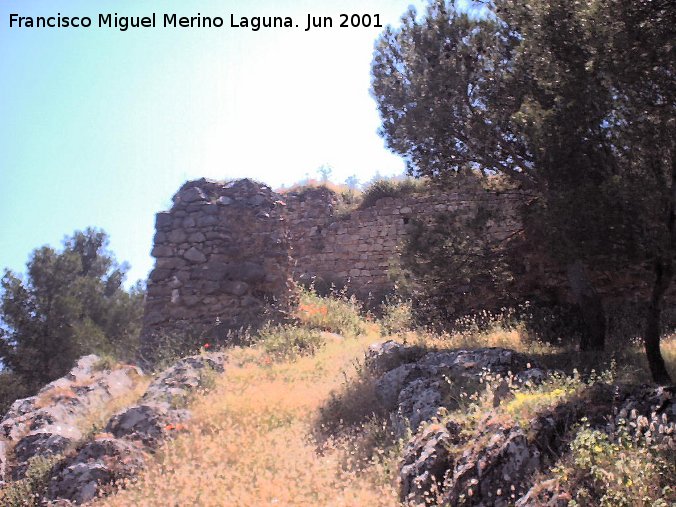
(477, 427)
(499, 460)
(91, 464)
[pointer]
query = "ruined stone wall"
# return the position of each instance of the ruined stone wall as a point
(222, 261)
(226, 254)
(358, 248)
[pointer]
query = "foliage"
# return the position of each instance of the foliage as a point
(457, 267)
(286, 342)
(12, 387)
(29, 491)
(336, 313)
(540, 91)
(70, 303)
(170, 346)
(397, 317)
(616, 470)
(390, 187)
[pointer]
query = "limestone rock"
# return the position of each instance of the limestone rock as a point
(385, 356)
(99, 463)
(135, 431)
(417, 390)
(49, 423)
(426, 461)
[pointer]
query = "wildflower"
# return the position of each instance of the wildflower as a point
(206, 345)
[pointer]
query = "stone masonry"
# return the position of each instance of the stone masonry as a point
(222, 261)
(358, 249)
(227, 253)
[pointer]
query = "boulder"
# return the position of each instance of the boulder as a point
(99, 462)
(385, 356)
(415, 391)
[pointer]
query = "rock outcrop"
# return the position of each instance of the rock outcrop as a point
(415, 391)
(51, 422)
(496, 463)
(132, 433)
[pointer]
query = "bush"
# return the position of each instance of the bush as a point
(617, 470)
(397, 317)
(11, 388)
(382, 188)
(287, 342)
(28, 492)
(336, 313)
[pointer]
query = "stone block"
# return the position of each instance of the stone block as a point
(194, 255)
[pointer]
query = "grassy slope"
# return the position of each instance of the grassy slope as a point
(249, 442)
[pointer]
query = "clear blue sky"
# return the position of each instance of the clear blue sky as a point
(100, 127)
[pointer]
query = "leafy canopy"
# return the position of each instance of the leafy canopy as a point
(70, 303)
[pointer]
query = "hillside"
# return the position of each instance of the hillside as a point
(329, 412)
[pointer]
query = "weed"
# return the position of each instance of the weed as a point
(616, 470)
(287, 342)
(106, 362)
(391, 187)
(336, 313)
(397, 317)
(29, 491)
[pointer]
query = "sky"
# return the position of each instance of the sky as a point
(100, 127)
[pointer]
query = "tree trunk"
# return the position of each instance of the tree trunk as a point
(664, 272)
(591, 307)
(663, 275)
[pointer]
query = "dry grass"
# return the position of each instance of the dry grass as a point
(249, 442)
(338, 188)
(54, 396)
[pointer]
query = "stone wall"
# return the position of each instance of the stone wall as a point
(226, 254)
(222, 261)
(358, 248)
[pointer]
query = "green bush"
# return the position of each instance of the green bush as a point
(29, 491)
(382, 188)
(617, 470)
(12, 388)
(397, 317)
(336, 313)
(287, 342)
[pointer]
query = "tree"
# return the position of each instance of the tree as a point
(71, 303)
(535, 91)
(324, 172)
(352, 182)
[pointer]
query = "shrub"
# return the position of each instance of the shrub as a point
(336, 313)
(616, 470)
(106, 362)
(382, 188)
(286, 342)
(12, 388)
(397, 317)
(28, 492)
